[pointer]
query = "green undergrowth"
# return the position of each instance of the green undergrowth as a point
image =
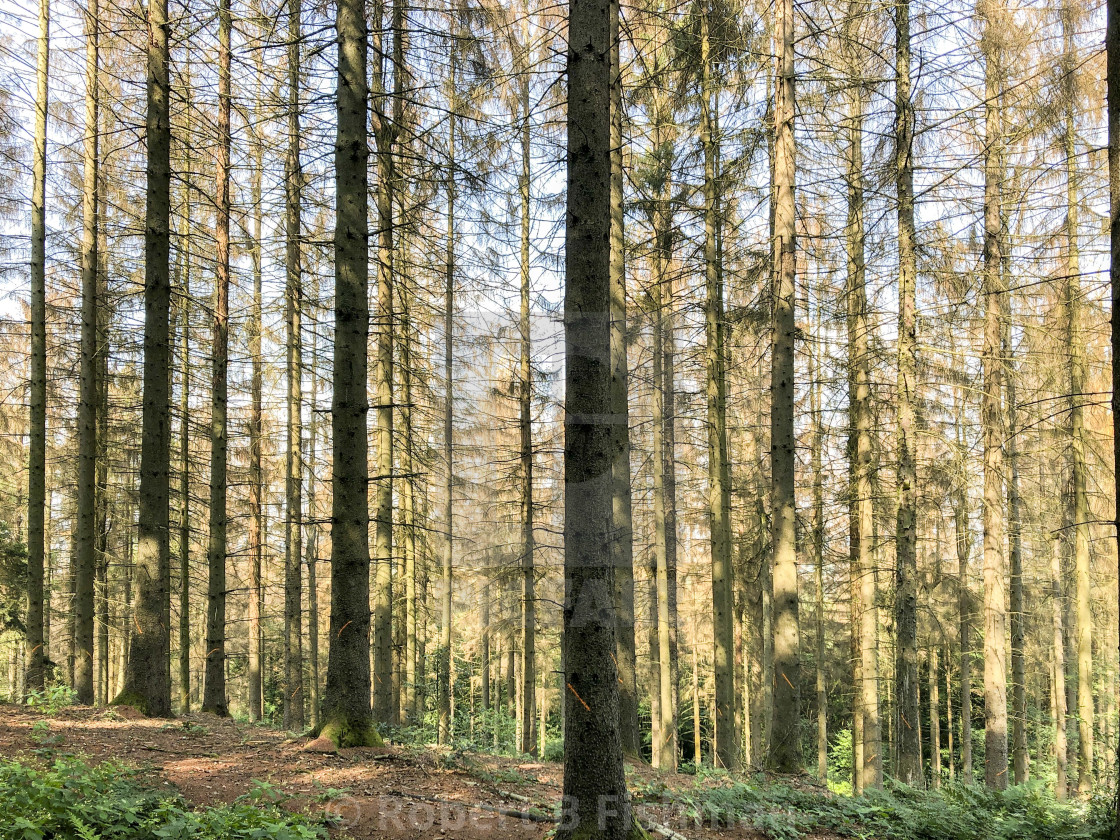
(958, 812)
(69, 798)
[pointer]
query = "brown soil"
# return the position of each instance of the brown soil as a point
(394, 792)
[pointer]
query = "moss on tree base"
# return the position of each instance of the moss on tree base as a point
(133, 699)
(344, 733)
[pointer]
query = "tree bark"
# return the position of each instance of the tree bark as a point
(85, 548)
(991, 411)
(293, 466)
(596, 801)
(147, 680)
(445, 722)
(1112, 74)
(909, 767)
(622, 533)
(37, 397)
(347, 718)
(1058, 671)
(214, 697)
(865, 618)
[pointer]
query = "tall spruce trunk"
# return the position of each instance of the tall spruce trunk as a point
(525, 422)
(347, 719)
(214, 694)
(37, 398)
(312, 546)
(865, 613)
(964, 606)
(908, 727)
(1019, 752)
(147, 679)
(622, 532)
(785, 738)
(1112, 48)
(1058, 671)
(596, 800)
(384, 136)
(85, 548)
(818, 536)
(719, 491)
(184, 464)
(446, 660)
(293, 317)
(991, 418)
(1079, 514)
(665, 740)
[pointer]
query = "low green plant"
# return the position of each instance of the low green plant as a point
(70, 798)
(53, 698)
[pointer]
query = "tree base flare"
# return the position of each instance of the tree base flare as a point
(343, 733)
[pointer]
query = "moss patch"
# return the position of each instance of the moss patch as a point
(133, 699)
(344, 733)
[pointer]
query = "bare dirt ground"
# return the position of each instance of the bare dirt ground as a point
(396, 792)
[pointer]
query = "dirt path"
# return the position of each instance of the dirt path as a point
(397, 793)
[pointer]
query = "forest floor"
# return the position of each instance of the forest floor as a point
(395, 792)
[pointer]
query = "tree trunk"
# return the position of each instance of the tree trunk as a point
(525, 395)
(991, 414)
(1020, 756)
(293, 467)
(313, 531)
(622, 532)
(665, 742)
(184, 440)
(865, 613)
(445, 721)
(1058, 672)
(818, 561)
(964, 549)
(37, 397)
(1112, 75)
(595, 797)
(347, 718)
(719, 491)
(934, 719)
(214, 699)
(147, 680)
(383, 133)
(785, 738)
(909, 767)
(1077, 378)
(85, 549)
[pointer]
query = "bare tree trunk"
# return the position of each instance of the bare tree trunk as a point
(347, 718)
(1020, 755)
(964, 549)
(934, 718)
(293, 467)
(214, 698)
(785, 739)
(622, 533)
(313, 532)
(1058, 673)
(1112, 74)
(991, 410)
(525, 396)
(818, 563)
(445, 721)
(594, 788)
(384, 136)
(147, 680)
(719, 491)
(85, 553)
(37, 398)
(184, 435)
(869, 749)
(909, 767)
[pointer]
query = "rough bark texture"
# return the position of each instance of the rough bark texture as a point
(346, 717)
(596, 801)
(147, 679)
(1058, 671)
(622, 532)
(525, 421)
(785, 737)
(214, 694)
(85, 548)
(37, 398)
(1112, 47)
(991, 414)
(293, 465)
(868, 747)
(719, 491)
(909, 767)
(964, 549)
(384, 135)
(1020, 756)
(444, 676)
